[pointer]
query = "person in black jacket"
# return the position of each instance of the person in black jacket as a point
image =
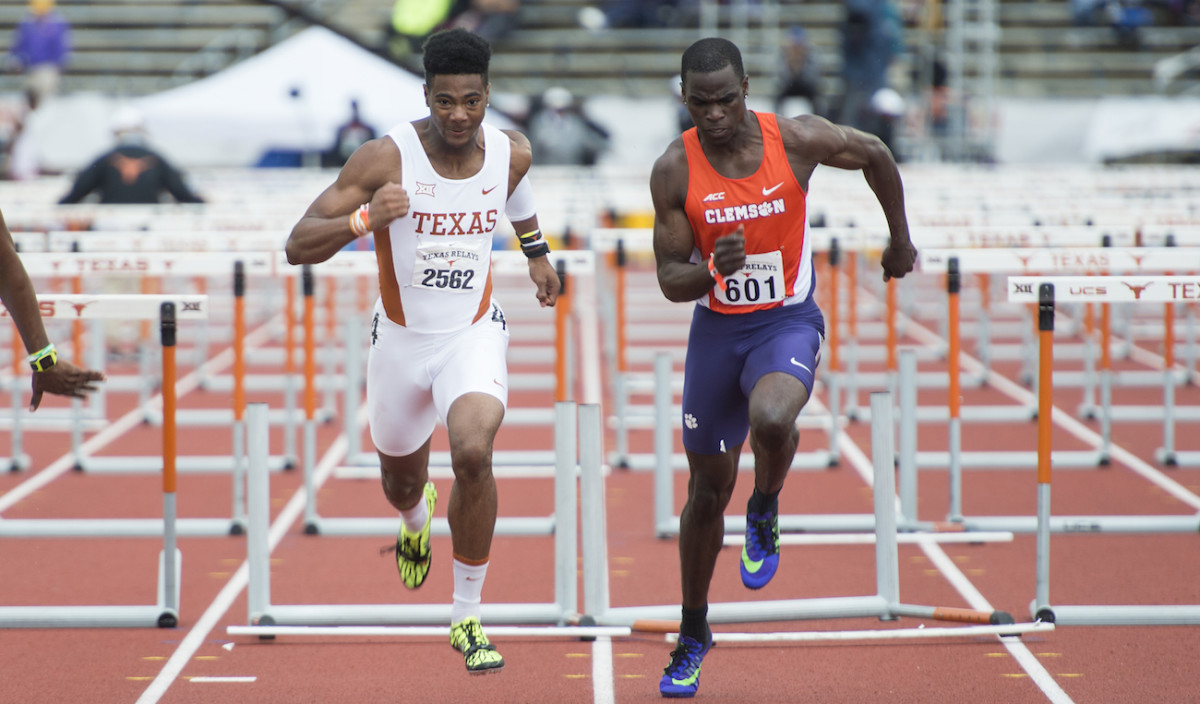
(130, 172)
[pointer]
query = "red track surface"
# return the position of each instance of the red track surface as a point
(1095, 665)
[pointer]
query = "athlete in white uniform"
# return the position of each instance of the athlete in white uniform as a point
(433, 193)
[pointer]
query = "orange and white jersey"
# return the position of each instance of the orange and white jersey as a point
(435, 262)
(770, 204)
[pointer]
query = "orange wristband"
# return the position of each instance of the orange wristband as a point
(712, 271)
(360, 223)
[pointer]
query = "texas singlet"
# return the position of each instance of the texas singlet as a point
(435, 262)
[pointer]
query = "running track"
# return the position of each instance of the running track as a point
(198, 662)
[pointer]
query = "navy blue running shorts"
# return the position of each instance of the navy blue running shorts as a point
(728, 353)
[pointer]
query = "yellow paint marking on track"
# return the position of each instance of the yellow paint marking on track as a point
(579, 655)
(206, 657)
(1070, 674)
(577, 677)
(1049, 655)
(623, 560)
(619, 573)
(220, 575)
(631, 677)
(995, 655)
(154, 657)
(132, 678)
(918, 558)
(1014, 675)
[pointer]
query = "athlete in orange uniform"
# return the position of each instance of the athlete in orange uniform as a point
(433, 192)
(729, 233)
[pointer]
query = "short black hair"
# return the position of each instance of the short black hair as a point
(711, 54)
(456, 52)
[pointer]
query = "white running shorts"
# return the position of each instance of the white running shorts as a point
(413, 378)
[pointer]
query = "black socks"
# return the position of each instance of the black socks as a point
(695, 626)
(759, 504)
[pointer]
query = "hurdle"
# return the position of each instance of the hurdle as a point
(165, 612)
(262, 612)
(1050, 291)
(240, 264)
(885, 604)
(100, 306)
(1137, 260)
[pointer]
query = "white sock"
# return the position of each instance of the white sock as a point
(468, 590)
(414, 518)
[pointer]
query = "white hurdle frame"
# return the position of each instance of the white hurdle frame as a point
(261, 612)
(884, 604)
(1046, 292)
(1116, 260)
(164, 613)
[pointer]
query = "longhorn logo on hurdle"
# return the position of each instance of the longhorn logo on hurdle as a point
(1137, 290)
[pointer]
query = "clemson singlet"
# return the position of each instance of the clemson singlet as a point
(435, 262)
(770, 204)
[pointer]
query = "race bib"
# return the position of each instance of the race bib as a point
(759, 281)
(451, 266)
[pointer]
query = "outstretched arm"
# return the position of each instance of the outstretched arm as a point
(372, 176)
(847, 148)
(18, 296)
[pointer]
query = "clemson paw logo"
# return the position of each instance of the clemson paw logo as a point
(690, 421)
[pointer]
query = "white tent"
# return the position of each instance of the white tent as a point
(291, 97)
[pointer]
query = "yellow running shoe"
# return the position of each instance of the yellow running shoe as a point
(481, 657)
(413, 554)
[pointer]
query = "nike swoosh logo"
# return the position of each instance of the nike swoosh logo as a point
(793, 361)
(772, 189)
(489, 190)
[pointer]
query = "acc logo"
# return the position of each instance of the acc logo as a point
(713, 197)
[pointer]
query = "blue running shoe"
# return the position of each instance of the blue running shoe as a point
(681, 678)
(760, 554)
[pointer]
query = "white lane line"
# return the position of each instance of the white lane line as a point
(603, 690)
(1028, 662)
(865, 468)
(229, 593)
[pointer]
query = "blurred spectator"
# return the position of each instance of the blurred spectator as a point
(561, 134)
(622, 14)
(801, 76)
(414, 20)
(887, 107)
(870, 41)
(40, 47)
(130, 172)
(490, 19)
(348, 138)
